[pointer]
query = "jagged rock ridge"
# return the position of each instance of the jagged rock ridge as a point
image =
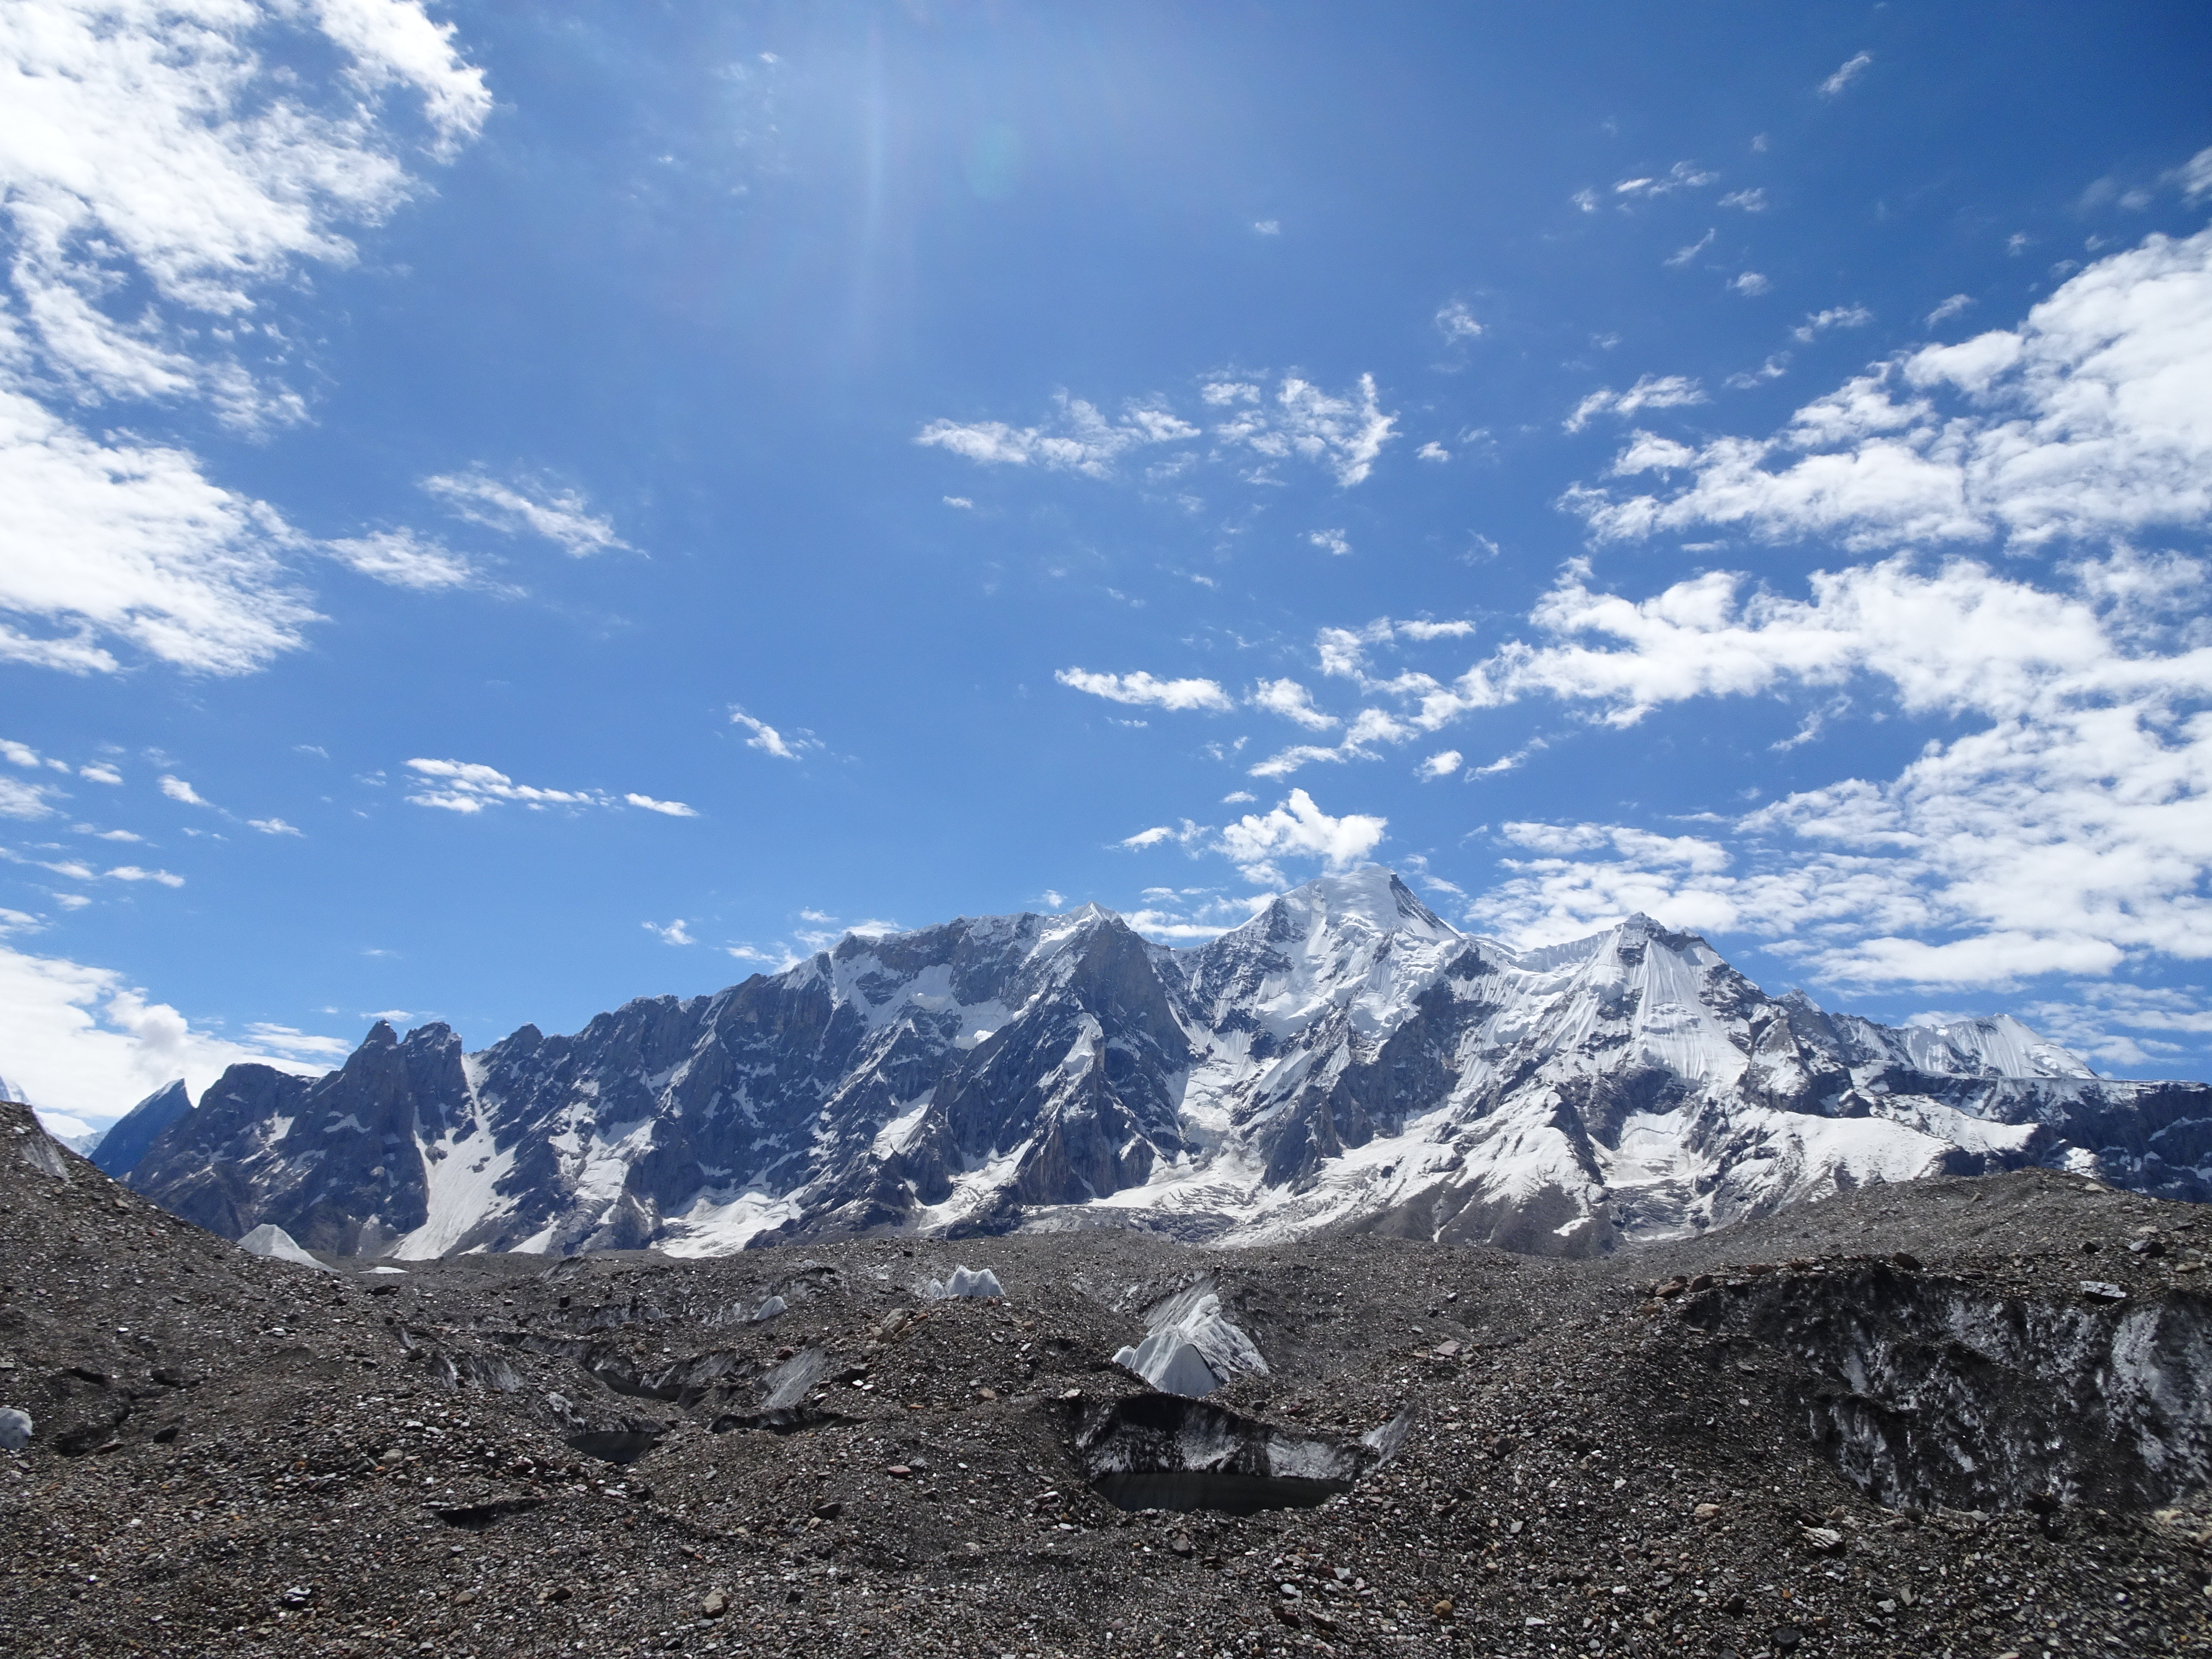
(1344, 1062)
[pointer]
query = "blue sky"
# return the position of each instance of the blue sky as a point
(517, 508)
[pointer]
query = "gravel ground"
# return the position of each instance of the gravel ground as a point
(1895, 1422)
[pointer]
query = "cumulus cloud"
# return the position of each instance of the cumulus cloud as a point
(1438, 767)
(2087, 420)
(1750, 283)
(1949, 309)
(155, 177)
(83, 1040)
(769, 741)
(467, 787)
(1297, 830)
(1142, 689)
(177, 789)
(2063, 834)
(24, 800)
(1651, 391)
(1078, 439)
(1341, 433)
(1751, 200)
(673, 933)
(1819, 322)
(270, 827)
(1330, 541)
(673, 809)
(1292, 702)
(1457, 323)
(530, 507)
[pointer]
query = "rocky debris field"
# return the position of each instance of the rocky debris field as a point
(1966, 1417)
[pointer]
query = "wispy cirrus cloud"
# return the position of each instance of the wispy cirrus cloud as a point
(1239, 418)
(528, 507)
(1852, 68)
(405, 558)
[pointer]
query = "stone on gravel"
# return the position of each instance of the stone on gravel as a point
(15, 1429)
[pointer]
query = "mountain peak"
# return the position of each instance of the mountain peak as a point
(1371, 894)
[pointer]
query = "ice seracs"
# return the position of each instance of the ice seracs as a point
(1344, 1061)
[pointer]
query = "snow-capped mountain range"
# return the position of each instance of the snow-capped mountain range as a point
(1344, 1061)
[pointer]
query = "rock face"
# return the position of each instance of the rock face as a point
(126, 1141)
(1344, 1062)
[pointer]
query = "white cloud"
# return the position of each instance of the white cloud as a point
(467, 787)
(1293, 702)
(1330, 541)
(1853, 67)
(1194, 914)
(2089, 419)
(674, 933)
(99, 772)
(1819, 322)
(153, 175)
(132, 872)
(769, 741)
(1751, 200)
(1682, 255)
(1298, 829)
(561, 516)
(404, 559)
(272, 826)
(2065, 832)
(1750, 283)
(1457, 323)
(1651, 391)
(131, 540)
(960, 502)
(1142, 689)
(1949, 309)
(18, 754)
(1238, 798)
(178, 789)
(1269, 226)
(1454, 630)
(25, 800)
(1343, 433)
(1079, 440)
(1585, 199)
(673, 809)
(1433, 451)
(2197, 176)
(82, 1039)
(1683, 175)
(1437, 767)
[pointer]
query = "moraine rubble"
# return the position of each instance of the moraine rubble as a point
(1891, 1422)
